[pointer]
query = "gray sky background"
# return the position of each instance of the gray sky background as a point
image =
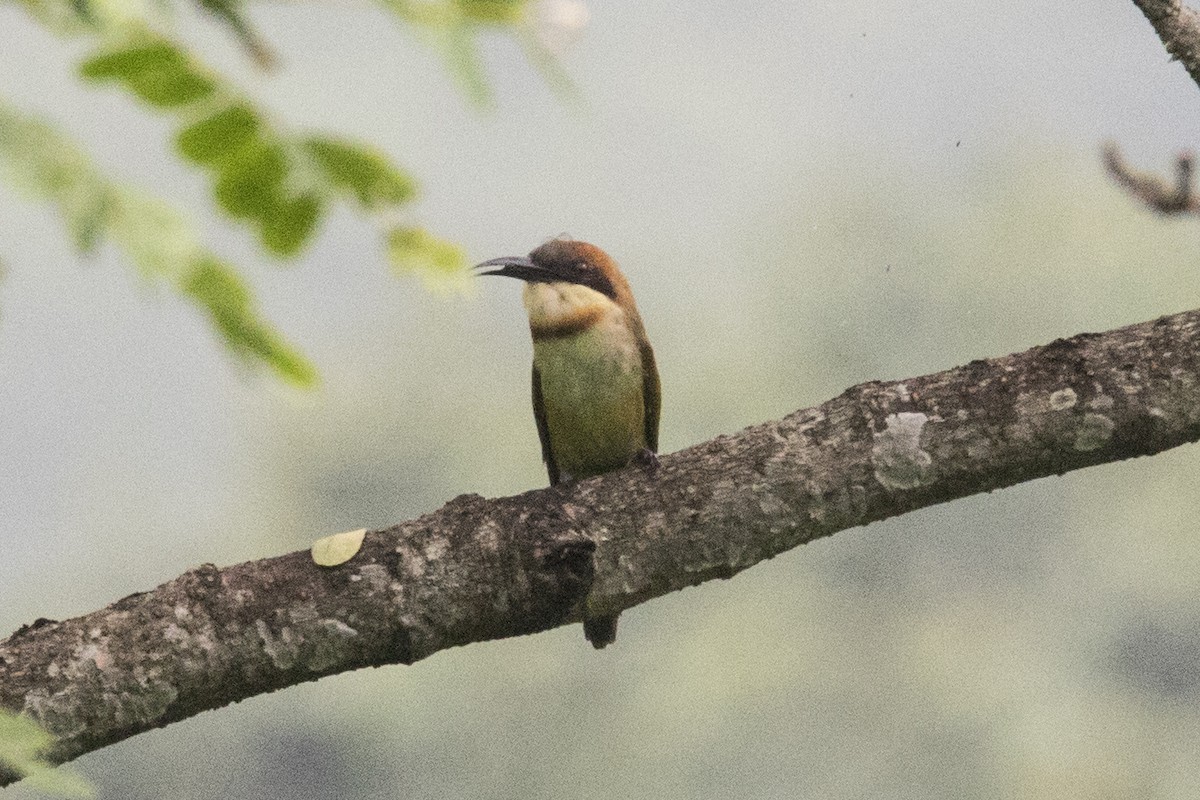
(806, 196)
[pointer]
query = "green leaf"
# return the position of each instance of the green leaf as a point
(276, 182)
(64, 17)
(458, 45)
(88, 214)
(159, 73)
(451, 26)
(155, 237)
(125, 63)
(41, 163)
(423, 13)
(21, 740)
(494, 12)
(83, 11)
(249, 182)
(289, 224)
(416, 251)
(170, 87)
(339, 548)
(226, 298)
(360, 170)
(219, 135)
(251, 186)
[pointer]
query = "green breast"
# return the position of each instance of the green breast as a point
(592, 389)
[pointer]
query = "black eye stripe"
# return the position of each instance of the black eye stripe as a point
(578, 271)
(593, 279)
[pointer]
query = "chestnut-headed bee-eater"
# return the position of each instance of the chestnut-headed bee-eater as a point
(596, 394)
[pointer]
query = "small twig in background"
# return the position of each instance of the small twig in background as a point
(1154, 191)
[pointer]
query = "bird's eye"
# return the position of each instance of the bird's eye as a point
(583, 265)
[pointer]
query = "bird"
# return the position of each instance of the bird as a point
(596, 390)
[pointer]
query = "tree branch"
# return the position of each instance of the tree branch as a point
(1179, 29)
(484, 569)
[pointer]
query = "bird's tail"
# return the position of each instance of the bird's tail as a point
(601, 631)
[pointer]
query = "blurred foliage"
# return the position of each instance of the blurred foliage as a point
(220, 291)
(20, 741)
(451, 27)
(416, 251)
(280, 183)
(156, 238)
(232, 14)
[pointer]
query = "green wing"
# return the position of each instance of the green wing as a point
(651, 395)
(539, 416)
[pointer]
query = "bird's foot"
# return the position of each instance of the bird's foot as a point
(647, 459)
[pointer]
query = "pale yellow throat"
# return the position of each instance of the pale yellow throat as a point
(564, 308)
(591, 377)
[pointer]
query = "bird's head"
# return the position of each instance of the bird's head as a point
(564, 261)
(566, 279)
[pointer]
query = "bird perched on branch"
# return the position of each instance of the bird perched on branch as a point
(596, 392)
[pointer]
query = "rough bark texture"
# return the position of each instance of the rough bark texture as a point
(483, 569)
(1179, 29)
